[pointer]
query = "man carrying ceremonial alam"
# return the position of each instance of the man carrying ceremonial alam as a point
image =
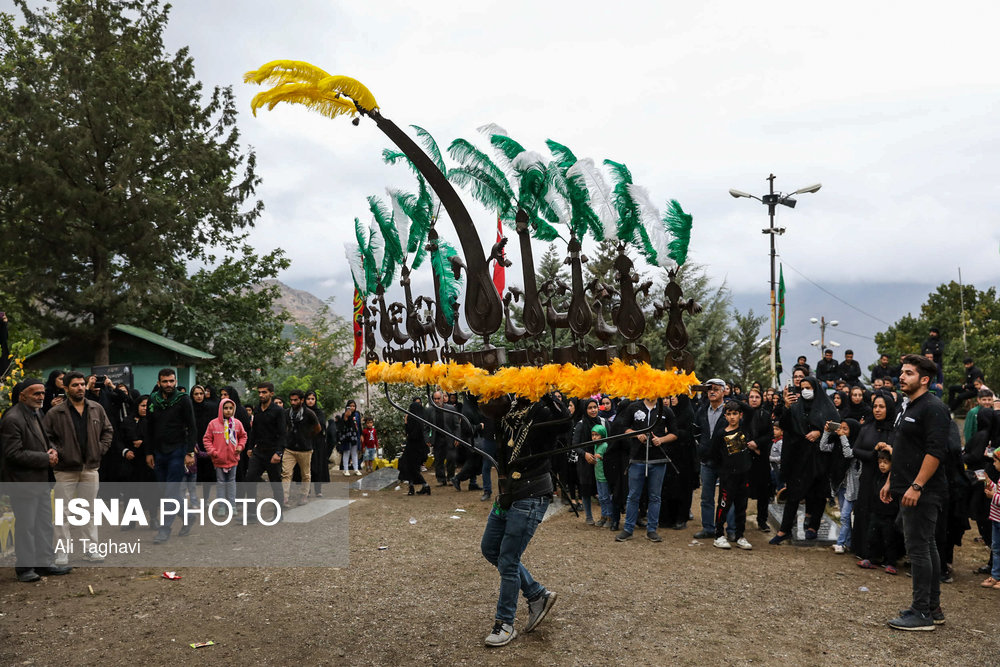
(525, 493)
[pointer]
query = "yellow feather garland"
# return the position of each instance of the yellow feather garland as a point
(618, 379)
(298, 82)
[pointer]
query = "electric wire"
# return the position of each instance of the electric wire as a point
(823, 289)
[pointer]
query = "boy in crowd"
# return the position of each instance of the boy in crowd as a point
(369, 445)
(730, 454)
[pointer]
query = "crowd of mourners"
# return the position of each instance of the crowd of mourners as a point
(83, 434)
(823, 442)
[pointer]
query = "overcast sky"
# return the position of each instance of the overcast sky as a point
(890, 105)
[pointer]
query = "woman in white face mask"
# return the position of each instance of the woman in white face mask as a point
(803, 419)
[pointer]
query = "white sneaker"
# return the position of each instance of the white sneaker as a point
(61, 559)
(501, 635)
(743, 544)
(358, 473)
(93, 557)
(838, 548)
(347, 473)
(722, 543)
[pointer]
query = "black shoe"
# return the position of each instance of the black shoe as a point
(185, 530)
(763, 527)
(426, 491)
(704, 534)
(910, 619)
(615, 526)
(623, 536)
(456, 483)
(28, 576)
(442, 483)
(985, 569)
(54, 570)
(474, 487)
(411, 491)
(652, 536)
(162, 535)
(486, 496)
(679, 526)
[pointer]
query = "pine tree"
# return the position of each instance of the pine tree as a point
(117, 169)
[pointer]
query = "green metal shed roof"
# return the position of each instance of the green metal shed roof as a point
(162, 341)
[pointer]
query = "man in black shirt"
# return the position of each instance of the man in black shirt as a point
(918, 481)
(828, 370)
(849, 370)
(171, 437)
(958, 393)
(301, 426)
(266, 443)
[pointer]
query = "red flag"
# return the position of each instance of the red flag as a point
(358, 334)
(498, 267)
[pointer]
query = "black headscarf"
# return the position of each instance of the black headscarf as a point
(885, 425)
(813, 414)
(844, 401)
(50, 389)
(415, 427)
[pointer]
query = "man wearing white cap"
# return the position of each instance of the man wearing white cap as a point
(709, 417)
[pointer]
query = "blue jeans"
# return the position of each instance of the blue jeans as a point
(709, 478)
(846, 512)
(996, 550)
(637, 479)
(226, 484)
(490, 448)
(169, 470)
(604, 495)
(504, 540)
(919, 526)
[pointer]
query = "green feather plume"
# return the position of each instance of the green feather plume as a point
(679, 224)
(432, 148)
(582, 215)
(448, 287)
(367, 258)
(393, 254)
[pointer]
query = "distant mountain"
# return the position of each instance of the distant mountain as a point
(301, 305)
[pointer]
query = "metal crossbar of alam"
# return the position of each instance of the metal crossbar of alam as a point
(565, 199)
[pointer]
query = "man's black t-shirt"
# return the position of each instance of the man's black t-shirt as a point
(921, 429)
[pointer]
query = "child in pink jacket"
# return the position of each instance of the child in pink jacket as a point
(224, 439)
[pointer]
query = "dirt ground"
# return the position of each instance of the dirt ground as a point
(429, 598)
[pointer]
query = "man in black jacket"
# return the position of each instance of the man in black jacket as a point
(849, 370)
(828, 370)
(27, 457)
(708, 418)
(266, 443)
(301, 426)
(171, 436)
(883, 371)
(960, 392)
(934, 346)
(446, 420)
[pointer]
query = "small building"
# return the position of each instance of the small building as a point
(136, 356)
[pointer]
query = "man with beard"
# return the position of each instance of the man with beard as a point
(172, 437)
(266, 443)
(27, 456)
(828, 370)
(81, 433)
(919, 483)
(445, 418)
(523, 475)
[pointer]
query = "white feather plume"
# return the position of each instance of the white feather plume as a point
(376, 244)
(527, 160)
(652, 223)
(602, 200)
(489, 129)
(401, 220)
(353, 254)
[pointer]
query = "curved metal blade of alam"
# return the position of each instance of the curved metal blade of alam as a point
(327, 94)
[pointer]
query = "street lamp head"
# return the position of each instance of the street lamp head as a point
(815, 343)
(814, 320)
(833, 343)
(808, 190)
(739, 193)
(834, 323)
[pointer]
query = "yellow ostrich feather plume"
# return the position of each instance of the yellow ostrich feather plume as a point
(618, 379)
(298, 82)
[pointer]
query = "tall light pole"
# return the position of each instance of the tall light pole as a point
(823, 324)
(771, 200)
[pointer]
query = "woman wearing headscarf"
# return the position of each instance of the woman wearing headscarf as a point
(872, 432)
(54, 391)
(840, 401)
(857, 405)
(616, 459)
(803, 421)
(204, 412)
(683, 477)
(760, 432)
(416, 450)
(590, 417)
(135, 469)
(320, 464)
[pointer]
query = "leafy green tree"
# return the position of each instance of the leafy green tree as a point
(943, 309)
(226, 312)
(749, 361)
(117, 167)
(321, 355)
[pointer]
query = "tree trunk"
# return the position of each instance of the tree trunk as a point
(102, 351)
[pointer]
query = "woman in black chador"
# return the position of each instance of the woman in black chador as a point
(879, 429)
(803, 420)
(416, 450)
(526, 432)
